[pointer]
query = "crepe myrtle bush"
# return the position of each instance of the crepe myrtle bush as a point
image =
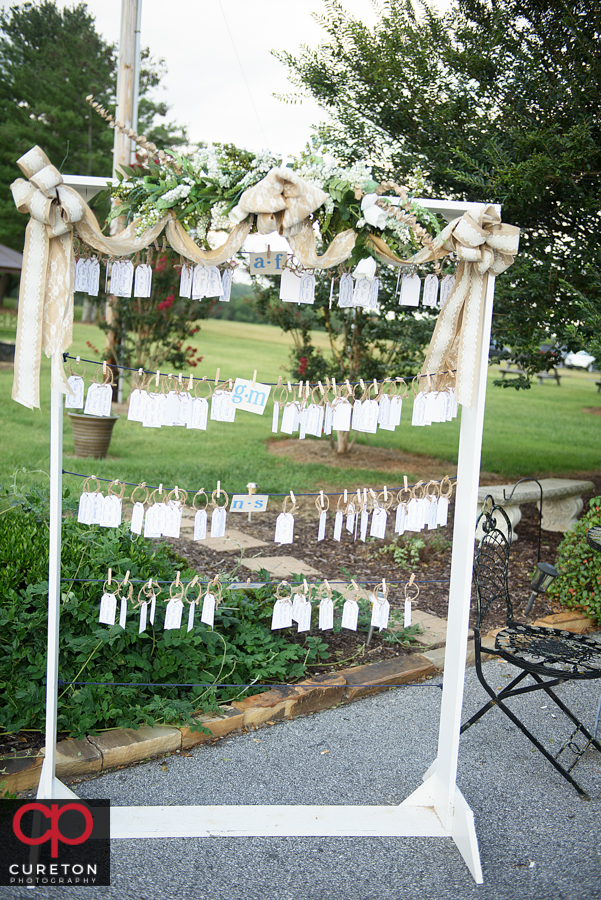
(579, 566)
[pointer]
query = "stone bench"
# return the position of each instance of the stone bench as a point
(562, 501)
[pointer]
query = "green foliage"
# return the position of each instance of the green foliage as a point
(494, 102)
(241, 648)
(405, 550)
(579, 567)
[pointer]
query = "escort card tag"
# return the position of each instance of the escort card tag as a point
(123, 612)
(304, 615)
(222, 408)
(290, 286)
(362, 292)
(173, 520)
(143, 617)
(85, 510)
(137, 402)
(111, 512)
(200, 525)
(185, 281)
(81, 276)
(413, 520)
(418, 409)
(77, 386)
(357, 420)
(373, 296)
(275, 418)
(384, 413)
(446, 286)
(207, 615)
(384, 614)
(122, 280)
(364, 524)
(346, 291)
(173, 614)
(376, 610)
(369, 416)
(307, 288)
(96, 502)
(284, 528)
(407, 616)
(442, 512)
(431, 408)
(378, 523)
(281, 616)
(191, 617)
(326, 614)
(250, 396)
(151, 414)
(338, 519)
(424, 510)
(137, 518)
(342, 413)
(98, 400)
(350, 518)
(314, 420)
(328, 419)
(153, 606)
(430, 297)
(198, 414)
(93, 277)
(218, 517)
(153, 522)
(289, 418)
(200, 281)
(321, 529)
(432, 519)
(214, 286)
(295, 606)
(399, 522)
(142, 281)
(226, 286)
(350, 615)
(410, 290)
(396, 408)
(302, 423)
(170, 411)
(108, 609)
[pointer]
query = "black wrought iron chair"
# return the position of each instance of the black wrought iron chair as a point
(549, 656)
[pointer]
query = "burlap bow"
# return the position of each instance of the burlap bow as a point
(281, 201)
(483, 245)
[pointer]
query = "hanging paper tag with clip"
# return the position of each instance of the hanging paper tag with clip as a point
(218, 518)
(98, 400)
(111, 512)
(275, 418)
(226, 286)
(380, 612)
(123, 612)
(108, 609)
(137, 402)
(328, 420)
(143, 617)
(321, 528)
(214, 286)
(373, 296)
(346, 291)
(173, 614)
(191, 617)
(307, 288)
(378, 523)
(76, 384)
(407, 614)
(343, 410)
(185, 281)
(364, 524)
(362, 292)
(326, 614)
(200, 525)
(350, 518)
(413, 521)
(369, 416)
(430, 296)
(350, 615)
(96, 501)
(446, 288)
(304, 614)
(173, 520)
(122, 278)
(153, 521)
(85, 511)
(410, 290)
(81, 276)
(281, 616)
(399, 522)
(284, 528)
(442, 511)
(198, 414)
(153, 605)
(93, 277)
(151, 413)
(142, 281)
(200, 281)
(338, 520)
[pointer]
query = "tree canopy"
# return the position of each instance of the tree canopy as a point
(50, 59)
(496, 101)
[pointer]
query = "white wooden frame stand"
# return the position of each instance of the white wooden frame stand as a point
(437, 808)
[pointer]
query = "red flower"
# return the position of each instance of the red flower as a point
(166, 304)
(302, 365)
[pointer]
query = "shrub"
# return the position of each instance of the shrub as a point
(579, 567)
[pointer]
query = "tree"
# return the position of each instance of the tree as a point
(494, 100)
(50, 59)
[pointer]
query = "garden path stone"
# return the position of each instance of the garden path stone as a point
(232, 541)
(280, 566)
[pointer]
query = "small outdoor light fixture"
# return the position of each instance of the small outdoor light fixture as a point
(543, 576)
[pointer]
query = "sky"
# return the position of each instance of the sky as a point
(221, 74)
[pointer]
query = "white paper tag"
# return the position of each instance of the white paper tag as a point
(442, 512)
(173, 520)
(76, 384)
(396, 408)
(151, 413)
(200, 281)
(446, 287)
(137, 402)
(373, 296)
(218, 518)
(123, 612)
(281, 616)
(350, 615)
(111, 512)
(284, 528)
(401, 516)
(96, 503)
(338, 520)
(410, 290)
(362, 292)
(153, 521)
(173, 614)
(275, 418)
(321, 528)
(289, 418)
(304, 615)
(342, 413)
(214, 287)
(369, 416)
(384, 614)
(350, 518)
(346, 291)
(80, 283)
(307, 288)
(378, 523)
(198, 414)
(326, 614)
(295, 606)
(191, 617)
(357, 420)
(418, 409)
(153, 606)
(200, 525)
(430, 295)
(98, 400)
(143, 617)
(122, 280)
(407, 616)
(384, 413)
(414, 518)
(314, 420)
(185, 281)
(290, 286)
(432, 520)
(222, 408)
(108, 609)
(328, 419)
(364, 524)
(142, 281)
(85, 510)
(226, 286)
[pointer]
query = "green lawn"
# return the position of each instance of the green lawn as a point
(538, 432)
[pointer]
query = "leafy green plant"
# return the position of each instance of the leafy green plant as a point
(579, 567)
(405, 550)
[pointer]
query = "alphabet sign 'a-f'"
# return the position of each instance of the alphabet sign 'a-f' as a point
(268, 263)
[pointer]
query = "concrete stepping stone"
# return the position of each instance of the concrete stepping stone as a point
(231, 542)
(280, 566)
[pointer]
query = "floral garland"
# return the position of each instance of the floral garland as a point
(203, 190)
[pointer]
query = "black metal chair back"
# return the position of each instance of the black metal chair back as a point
(491, 563)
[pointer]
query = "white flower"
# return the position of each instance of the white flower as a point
(366, 268)
(376, 216)
(368, 201)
